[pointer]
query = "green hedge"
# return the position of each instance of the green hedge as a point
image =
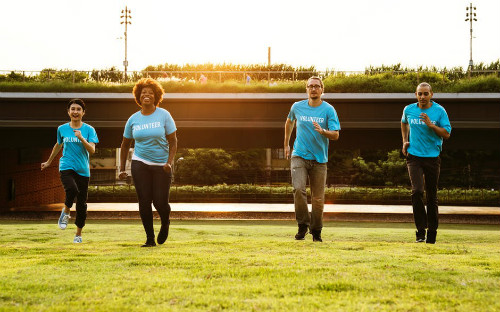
(255, 193)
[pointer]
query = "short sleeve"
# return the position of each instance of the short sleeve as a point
(444, 121)
(127, 132)
(59, 136)
(92, 135)
(169, 124)
(291, 114)
(404, 119)
(333, 120)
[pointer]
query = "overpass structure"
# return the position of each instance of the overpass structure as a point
(28, 123)
(243, 120)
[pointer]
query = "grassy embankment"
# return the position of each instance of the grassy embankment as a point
(377, 83)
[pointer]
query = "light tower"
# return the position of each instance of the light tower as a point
(125, 16)
(470, 16)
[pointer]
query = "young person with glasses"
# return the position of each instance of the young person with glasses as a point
(317, 123)
(77, 139)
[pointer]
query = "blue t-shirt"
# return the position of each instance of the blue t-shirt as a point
(149, 133)
(310, 144)
(75, 157)
(424, 142)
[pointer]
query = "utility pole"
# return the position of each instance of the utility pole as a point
(269, 65)
(470, 16)
(269, 56)
(126, 16)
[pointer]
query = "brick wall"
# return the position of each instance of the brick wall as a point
(32, 187)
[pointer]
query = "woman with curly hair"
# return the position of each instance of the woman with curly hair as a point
(154, 132)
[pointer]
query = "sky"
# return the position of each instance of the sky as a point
(347, 35)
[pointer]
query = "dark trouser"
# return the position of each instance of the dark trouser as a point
(152, 185)
(424, 172)
(77, 186)
(302, 169)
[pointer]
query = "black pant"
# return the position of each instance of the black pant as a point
(77, 186)
(152, 185)
(424, 173)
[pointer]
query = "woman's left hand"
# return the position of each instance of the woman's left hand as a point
(167, 168)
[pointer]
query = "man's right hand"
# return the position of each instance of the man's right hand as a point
(405, 148)
(123, 175)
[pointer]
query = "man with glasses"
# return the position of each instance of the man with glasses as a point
(423, 126)
(317, 123)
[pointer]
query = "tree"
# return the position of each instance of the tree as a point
(204, 166)
(391, 171)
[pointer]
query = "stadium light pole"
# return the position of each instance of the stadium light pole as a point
(125, 16)
(470, 16)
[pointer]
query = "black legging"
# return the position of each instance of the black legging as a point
(152, 185)
(77, 186)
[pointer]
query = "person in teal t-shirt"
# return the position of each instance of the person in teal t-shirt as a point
(154, 132)
(424, 125)
(317, 123)
(77, 139)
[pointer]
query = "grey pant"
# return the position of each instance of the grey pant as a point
(302, 169)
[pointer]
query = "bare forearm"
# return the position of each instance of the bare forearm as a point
(332, 135)
(90, 147)
(124, 150)
(288, 132)
(172, 150)
(55, 150)
(404, 132)
(440, 131)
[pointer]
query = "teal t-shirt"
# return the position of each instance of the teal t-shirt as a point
(75, 157)
(150, 134)
(309, 144)
(424, 142)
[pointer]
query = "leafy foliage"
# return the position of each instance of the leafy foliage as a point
(204, 166)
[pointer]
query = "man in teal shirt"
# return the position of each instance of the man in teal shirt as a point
(317, 123)
(424, 125)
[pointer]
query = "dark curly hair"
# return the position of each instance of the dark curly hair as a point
(148, 83)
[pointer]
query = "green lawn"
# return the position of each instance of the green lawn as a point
(248, 266)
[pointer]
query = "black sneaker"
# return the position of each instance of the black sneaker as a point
(420, 236)
(301, 234)
(316, 236)
(163, 234)
(431, 237)
(149, 244)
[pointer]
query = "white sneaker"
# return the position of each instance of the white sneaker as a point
(77, 239)
(63, 220)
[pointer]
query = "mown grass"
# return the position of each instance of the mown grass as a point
(248, 266)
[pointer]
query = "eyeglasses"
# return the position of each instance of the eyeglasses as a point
(314, 86)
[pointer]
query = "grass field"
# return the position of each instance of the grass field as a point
(248, 266)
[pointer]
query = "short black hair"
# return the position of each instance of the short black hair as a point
(78, 102)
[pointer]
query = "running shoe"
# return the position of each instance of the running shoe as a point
(63, 220)
(77, 239)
